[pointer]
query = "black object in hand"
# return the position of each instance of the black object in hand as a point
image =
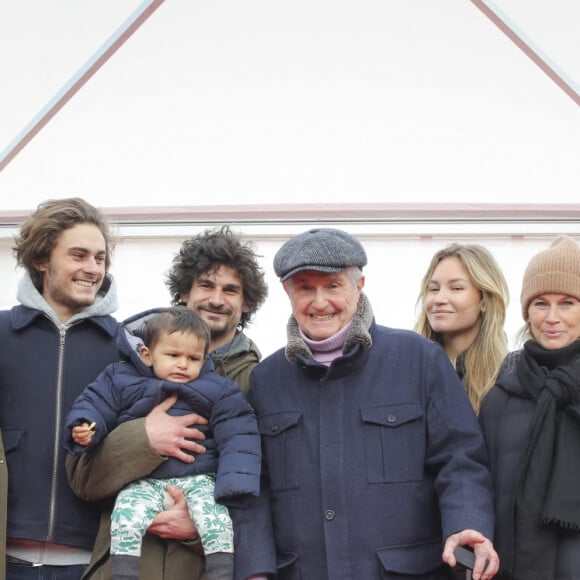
(465, 557)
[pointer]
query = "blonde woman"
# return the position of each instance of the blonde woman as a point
(463, 300)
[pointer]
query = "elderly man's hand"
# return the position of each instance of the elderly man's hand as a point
(486, 559)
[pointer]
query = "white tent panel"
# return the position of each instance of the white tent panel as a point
(260, 101)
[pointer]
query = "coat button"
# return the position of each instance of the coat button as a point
(329, 515)
(275, 428)
(392, 418)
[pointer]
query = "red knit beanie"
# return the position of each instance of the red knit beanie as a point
(555, 270)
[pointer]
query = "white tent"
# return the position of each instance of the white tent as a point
(410, 123)
(324, 101)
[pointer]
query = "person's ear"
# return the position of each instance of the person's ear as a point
(145, 353)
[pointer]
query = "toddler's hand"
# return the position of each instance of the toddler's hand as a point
(83, 434)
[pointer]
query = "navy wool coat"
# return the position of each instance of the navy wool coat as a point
(368, 464)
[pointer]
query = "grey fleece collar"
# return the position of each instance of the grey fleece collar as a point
(359, 332)
(105, 302)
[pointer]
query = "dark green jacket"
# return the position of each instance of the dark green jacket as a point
(238, 361)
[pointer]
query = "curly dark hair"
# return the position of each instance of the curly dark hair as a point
(40, 232)
(205, 253)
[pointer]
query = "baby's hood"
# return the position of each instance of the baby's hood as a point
(131, 340)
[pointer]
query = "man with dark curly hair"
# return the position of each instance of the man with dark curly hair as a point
(219, 277)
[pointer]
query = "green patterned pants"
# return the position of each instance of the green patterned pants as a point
(140, 501)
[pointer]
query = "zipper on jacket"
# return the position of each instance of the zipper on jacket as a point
(57, 427)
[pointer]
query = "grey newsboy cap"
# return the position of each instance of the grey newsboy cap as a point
(320, 249)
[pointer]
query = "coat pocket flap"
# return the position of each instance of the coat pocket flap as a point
(391, 415)
(411, 558)
(277, 423)
(12, 439)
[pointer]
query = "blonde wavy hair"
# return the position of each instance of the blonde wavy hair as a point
(483, 358)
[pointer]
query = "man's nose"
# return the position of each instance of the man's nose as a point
(216, 297)
(93, 265)
(319, 298)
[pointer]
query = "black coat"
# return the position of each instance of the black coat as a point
(505, 419)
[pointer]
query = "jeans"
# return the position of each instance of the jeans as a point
(20, 572)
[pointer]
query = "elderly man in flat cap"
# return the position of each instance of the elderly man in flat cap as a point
(374, 465)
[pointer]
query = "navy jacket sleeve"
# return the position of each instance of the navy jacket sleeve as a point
(235, 430)
(99, 402)
(455, 447)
